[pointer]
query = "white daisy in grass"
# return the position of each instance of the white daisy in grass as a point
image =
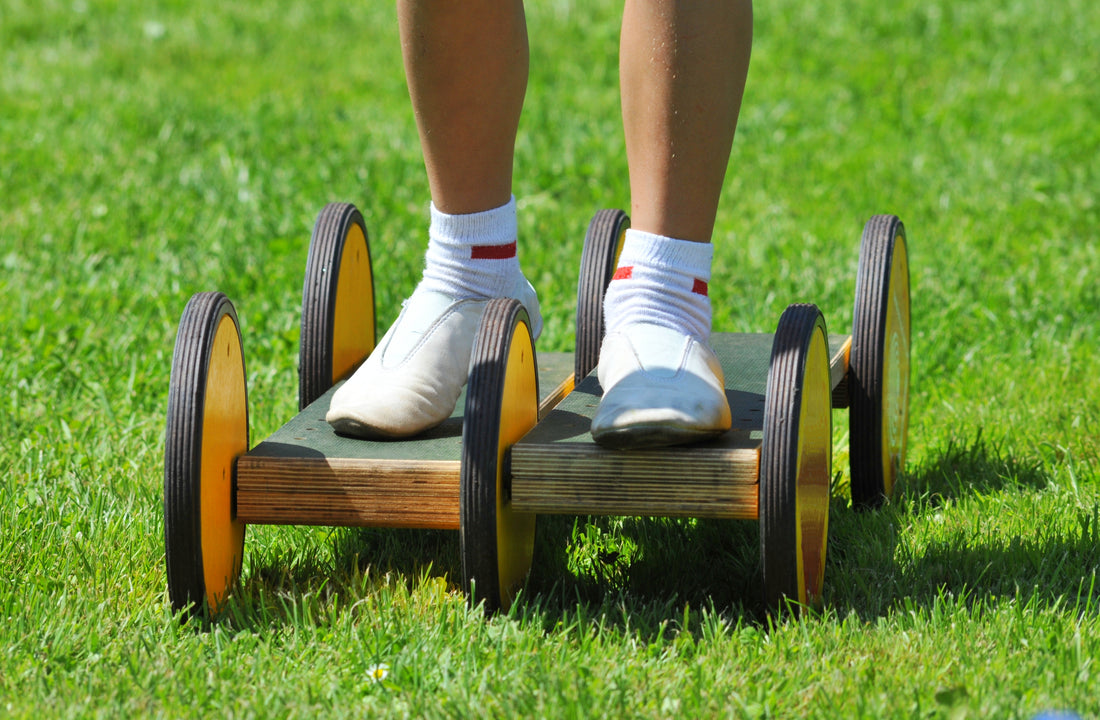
(378, 672)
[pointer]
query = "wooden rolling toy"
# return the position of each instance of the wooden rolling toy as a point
(518, 443)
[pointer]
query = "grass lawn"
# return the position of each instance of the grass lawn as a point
(152, 150)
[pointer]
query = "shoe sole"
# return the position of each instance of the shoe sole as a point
(357, 429)
(637, 437)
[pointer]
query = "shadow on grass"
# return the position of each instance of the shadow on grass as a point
(643, 573)
(969, 467)
(949, 552)
(355, 560)
(639, 574)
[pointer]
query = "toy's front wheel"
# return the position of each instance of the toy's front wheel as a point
(207, 431)
(502, 400)
(796, 460)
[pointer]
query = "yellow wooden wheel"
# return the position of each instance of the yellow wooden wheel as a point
(338, 328)
(207, 431)
(502, 399)
(796, 460)
(878, 384)
(603, 243)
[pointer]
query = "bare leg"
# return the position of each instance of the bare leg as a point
(466, 64)
(682, 70)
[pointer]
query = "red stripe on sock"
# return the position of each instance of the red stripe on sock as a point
(493, 252)
(699, 287)
(623, 273)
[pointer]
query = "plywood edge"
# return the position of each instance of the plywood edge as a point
(735, 502)
(347, 492)
(580, 478)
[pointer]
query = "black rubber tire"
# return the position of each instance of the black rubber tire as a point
(795, 461)
(501, 406)
(338, 322)
(603, 244)
(878, 380)
(202, 361)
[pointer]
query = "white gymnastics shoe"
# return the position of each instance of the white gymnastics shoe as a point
(413, 379)
(660, 387)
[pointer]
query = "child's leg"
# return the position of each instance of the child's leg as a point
(683, 67)
(466, 64)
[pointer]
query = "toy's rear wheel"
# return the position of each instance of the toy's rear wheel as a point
(207, 431)
(338, 325)
(796, 460)
(878, 383)
(502, 400)
(603, 243)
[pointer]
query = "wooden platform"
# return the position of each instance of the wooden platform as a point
(557, 468)
(306, 474)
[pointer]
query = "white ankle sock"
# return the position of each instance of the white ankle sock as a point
(663, 281)
(474, 255)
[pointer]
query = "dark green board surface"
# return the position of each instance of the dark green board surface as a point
(744, 356)
(307, 435)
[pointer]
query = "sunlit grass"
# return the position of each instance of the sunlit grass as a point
(150, 151)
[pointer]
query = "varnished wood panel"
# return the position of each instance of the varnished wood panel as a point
(582, 479)
(348, 492)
